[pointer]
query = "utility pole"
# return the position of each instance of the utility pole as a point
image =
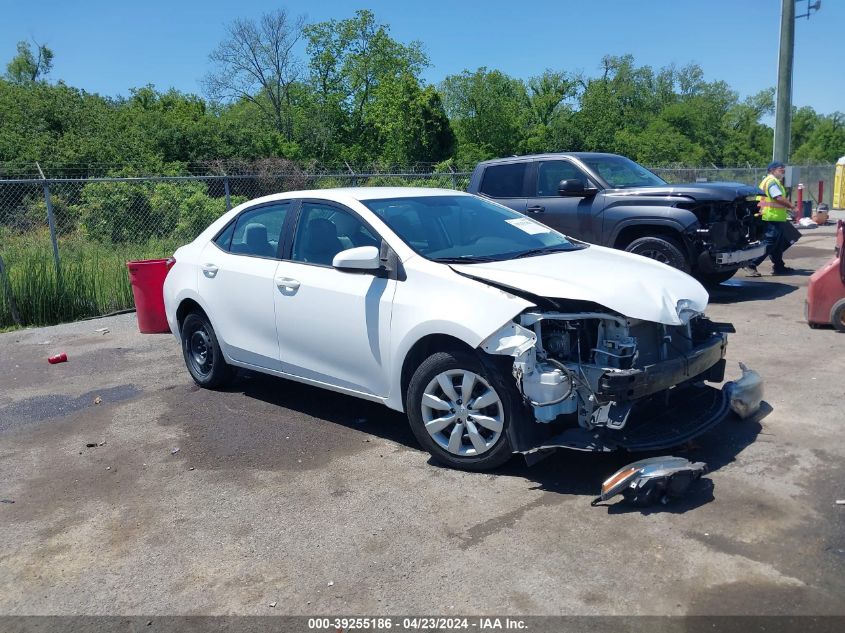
(783, 104)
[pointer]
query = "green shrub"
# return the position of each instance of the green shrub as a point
(120, 212)
(65, 215)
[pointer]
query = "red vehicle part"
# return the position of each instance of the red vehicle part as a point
(147, 278)
(826, 293)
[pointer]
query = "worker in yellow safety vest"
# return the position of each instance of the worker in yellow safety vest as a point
(774, 210)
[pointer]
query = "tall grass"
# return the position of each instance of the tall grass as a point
(94, 279)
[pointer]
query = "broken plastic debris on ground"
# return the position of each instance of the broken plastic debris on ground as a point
(745, 394)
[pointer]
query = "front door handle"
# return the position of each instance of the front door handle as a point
(209, 270)
(286, 283)
(536, 209)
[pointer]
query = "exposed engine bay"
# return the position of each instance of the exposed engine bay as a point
(591, 371)
(730, 223)
(724, 226)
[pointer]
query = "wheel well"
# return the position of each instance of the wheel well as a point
(185, 308)
(424, 348)
(631, 233)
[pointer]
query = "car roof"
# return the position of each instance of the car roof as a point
(345, 194)
(548, 155)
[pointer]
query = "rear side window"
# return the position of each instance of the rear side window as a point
(225, 238)
(257, 232)
(504, 181)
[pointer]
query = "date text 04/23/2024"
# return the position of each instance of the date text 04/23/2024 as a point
(422, 623)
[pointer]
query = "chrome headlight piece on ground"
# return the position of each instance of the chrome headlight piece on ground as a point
(649, 480)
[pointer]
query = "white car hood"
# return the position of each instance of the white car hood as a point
(634, 286)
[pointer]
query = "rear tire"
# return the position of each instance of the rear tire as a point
(202, 353)
(663, 249)
(467, 431)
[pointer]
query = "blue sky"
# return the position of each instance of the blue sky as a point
(109, 47)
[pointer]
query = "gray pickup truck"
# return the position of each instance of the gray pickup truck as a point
(705, 229)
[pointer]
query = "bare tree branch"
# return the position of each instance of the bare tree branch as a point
(256, 63)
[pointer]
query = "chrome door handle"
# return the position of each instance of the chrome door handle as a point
(286, 283)
(209, 270)
(537, 209)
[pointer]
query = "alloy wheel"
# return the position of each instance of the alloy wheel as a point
(462, 413)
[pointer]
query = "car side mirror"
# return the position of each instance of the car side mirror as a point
(575, 188)
(360, 258)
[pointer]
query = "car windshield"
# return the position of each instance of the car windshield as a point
(620, 172)
(466, 229)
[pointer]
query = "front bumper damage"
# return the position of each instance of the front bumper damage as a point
(739, 257)
(713, 260)
(706, 360)
(727, 235)
(617, 390)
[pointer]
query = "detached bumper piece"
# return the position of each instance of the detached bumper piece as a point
(684, 414)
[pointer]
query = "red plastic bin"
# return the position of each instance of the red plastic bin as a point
(147, 279)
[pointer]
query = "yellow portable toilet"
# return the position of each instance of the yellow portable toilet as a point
(839, 185)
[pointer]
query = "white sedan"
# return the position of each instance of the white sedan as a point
(493, 333)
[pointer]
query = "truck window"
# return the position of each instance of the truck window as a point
(504, 181)
(550, 173)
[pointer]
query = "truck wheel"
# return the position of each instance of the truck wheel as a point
(837, 315)
(663, 249)
(711, 280)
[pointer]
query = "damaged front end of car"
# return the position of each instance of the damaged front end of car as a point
(728, 233)
(596, 380)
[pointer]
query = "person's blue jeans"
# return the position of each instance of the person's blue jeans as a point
(775, 245)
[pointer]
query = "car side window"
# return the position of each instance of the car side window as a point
(257, 232)
(504, 181)
(550, 173)
(224, 239)
(323, 231)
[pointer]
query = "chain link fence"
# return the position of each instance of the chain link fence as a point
(64, 242)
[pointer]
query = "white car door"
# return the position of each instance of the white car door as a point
(333, 326)
(236, 276)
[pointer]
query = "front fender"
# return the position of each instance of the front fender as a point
(617, 219)
(464, 309)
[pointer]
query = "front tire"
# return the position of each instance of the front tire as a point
(202, 352)
(460, 411)
(711, 280)
(663, 249)
(837, 315)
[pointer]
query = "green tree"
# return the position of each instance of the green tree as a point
(409, 122)
(489, 113)
(825, 143)
(624, 99)
(550, 117)
(348, 61)
(26, 66)
(747, 141)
